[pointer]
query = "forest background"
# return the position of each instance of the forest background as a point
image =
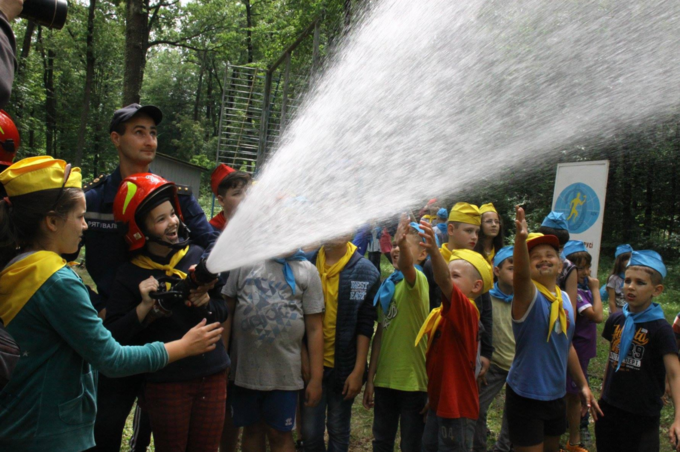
(173, 54)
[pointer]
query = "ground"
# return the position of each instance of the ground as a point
(362, 419)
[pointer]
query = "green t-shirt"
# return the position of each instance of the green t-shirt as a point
(503, 337)
(401, 365)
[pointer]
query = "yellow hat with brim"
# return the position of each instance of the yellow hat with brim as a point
(536, 238)
(477, 261)
(463, 212)
(487, 208)
(37, 174)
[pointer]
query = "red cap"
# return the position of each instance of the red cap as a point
(537, 238)
(432, 201)
(218, 176)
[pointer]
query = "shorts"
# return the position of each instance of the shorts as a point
(274, 408)
(622, 431)
(571, 385)
(530, 420)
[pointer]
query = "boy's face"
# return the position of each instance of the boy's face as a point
(162, 222)
(505, 271)
(465, 277)
(338, 242)
(544, 263)
(491, 225)
(418, 253)
(394, 254)
(463, 235)
(639, 289)
(231, 199)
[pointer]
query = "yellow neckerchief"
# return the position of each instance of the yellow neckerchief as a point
(428, 218)
(432, 323)
(556, 308)
(491, 255)
(446, 252)
(21, 280)
(330, 278)
(145, 262)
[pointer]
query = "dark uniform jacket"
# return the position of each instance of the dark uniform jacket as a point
(7, 60)
(105, 246)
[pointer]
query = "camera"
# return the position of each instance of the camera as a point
(48, 13)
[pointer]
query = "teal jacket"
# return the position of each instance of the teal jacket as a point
(49, 404)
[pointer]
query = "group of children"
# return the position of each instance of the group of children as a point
(460, 316)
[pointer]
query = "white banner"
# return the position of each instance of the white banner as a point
(580, 192)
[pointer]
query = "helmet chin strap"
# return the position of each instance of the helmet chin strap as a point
(182, 230)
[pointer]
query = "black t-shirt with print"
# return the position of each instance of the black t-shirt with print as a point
(640, 382)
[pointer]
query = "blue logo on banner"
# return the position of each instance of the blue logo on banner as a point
(580, 205)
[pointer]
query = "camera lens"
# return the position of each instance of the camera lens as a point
(48, 13)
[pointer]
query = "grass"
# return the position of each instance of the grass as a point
(362, 419)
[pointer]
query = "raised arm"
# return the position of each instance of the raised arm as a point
(405, 259)
(594, 312)
(440, 268)
(521, 281)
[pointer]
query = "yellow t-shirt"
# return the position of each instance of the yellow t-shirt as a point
(330, 319)
(401, 366)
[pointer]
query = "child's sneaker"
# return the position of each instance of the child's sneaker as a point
(585, 435)
(576, 447)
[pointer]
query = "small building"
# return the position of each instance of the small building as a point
(178, 171)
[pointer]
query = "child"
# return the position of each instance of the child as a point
(275, 303)
(534, 399)
(229, 187)
(504, 351)
(463, 232)
(185, 401)
(374, 252)
(397, 373)
(633, 386)
(350, 283)
(615, 281)
(452, 350)
(588, 314)
(490, 233)
(556, 224)
(441, 230)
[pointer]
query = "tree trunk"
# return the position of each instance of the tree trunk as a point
(348, 13)
(197, 100)
(649, 197)
(89, 76)
(136, 45)
(25, 49)
(50, 103)
(249, 30)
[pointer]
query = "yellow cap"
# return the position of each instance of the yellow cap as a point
(477, 261)
(463, 212)
(487, 208)
(36, 174)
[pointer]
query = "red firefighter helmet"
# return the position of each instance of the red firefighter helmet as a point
(9, 139)
(137, 194)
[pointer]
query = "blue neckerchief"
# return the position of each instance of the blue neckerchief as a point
(498, 293)
(442, 227)
(386, 291)
(583, 284)
(287, 271)
(652, 313)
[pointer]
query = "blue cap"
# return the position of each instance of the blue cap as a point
(573, 246)
(648, 258)
(417, 227)
(443, 213)
(502, 254)
(623, 249)
(555, 220)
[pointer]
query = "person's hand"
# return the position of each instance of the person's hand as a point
(588, 402)
(147, 286)
(424, 411)
(430, 243)
(481, 378)
(202, 338)
(402, 230)
(313, 393)
(593, 284)
(353, 385)
(674, 434)
(11, 8)
(521, 223)
(368, 395)
(197, 299)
